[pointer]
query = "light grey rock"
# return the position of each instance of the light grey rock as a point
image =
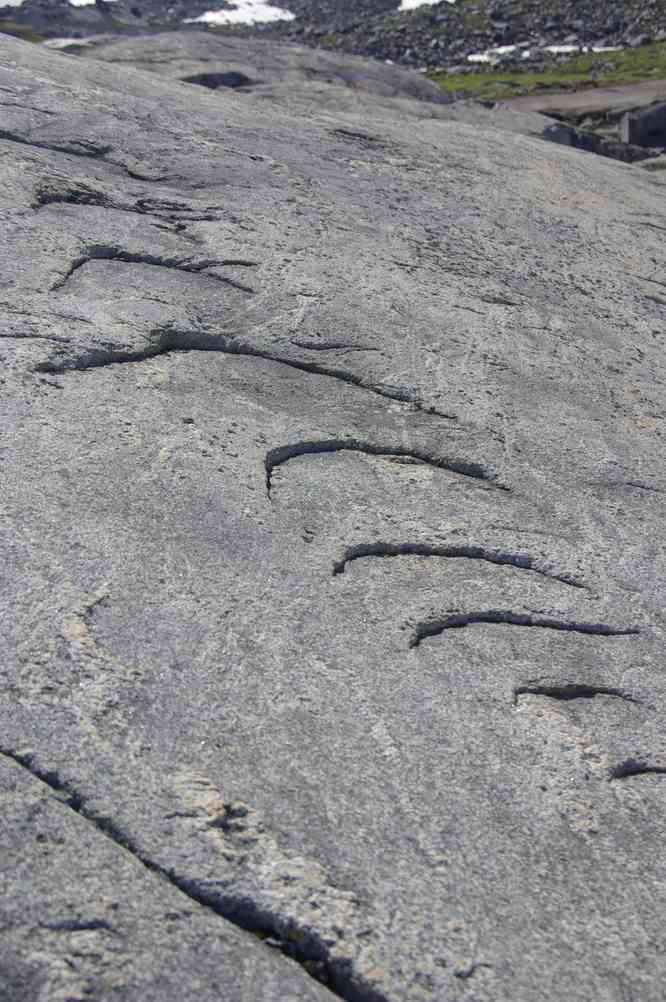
(332, 514)
(310, 82)
(83, 918)
(202, 57)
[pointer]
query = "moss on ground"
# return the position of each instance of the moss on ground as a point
(592, 69)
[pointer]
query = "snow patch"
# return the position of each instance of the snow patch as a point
(564, 50)
(243, 12)
(413, 4)
(495, 55)
(63, 43)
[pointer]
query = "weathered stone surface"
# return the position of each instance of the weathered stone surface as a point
(332, 500)
(83, 918)
(302, 81)
(185, 54)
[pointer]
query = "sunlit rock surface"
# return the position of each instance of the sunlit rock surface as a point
(333, 519)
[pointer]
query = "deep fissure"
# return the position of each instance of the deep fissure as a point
(103, 253)
(636, 767)
(282, 454)
(568, 691)
(459, 620)
(168, 340)
(518, 560)
(89, 151)
(85, 196)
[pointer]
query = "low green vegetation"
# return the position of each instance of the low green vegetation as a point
(594, 69)
(19, 31)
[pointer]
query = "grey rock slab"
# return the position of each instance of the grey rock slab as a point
(307, 81)
(332, 508)
(82, 917)
(186, 54)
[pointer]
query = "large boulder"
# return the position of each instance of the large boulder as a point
(332, 514)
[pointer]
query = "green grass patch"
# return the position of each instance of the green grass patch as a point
(593, 69)
(19, 31)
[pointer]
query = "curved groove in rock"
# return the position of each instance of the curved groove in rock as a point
(519, 560)
(571, 690)
(636, 767)
(644, 487)
(28, 107)
(283, 453)
(304, 945)
(330, 346)
(55, 192)
(363, 138)
(167, 339)
(35, 337)
(77, 148)
(103, 253)
(78, 925)
(458, 620)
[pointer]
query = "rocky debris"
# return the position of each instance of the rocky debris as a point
(437, 36)
(445, 34)
(332, 509)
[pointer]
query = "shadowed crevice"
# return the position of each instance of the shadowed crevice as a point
(568, 691)
(283, 453)
(79, 148)
(519, 560)
(459, 620)
(226, 79)
(104, 253)
(636, 767)
(57, 192)
(75, 148)
(331, 346)
(167, 339)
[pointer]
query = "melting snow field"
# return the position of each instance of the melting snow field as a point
(62, 43)
(494, 55)
(243, 12)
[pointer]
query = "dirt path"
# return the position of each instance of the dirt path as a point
(585, 102)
